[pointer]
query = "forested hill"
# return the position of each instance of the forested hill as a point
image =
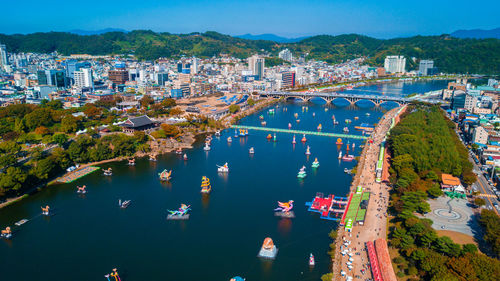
(450, 54)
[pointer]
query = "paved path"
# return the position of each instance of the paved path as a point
(375, 225)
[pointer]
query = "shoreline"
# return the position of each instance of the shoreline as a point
(365, 176)
(191, 137)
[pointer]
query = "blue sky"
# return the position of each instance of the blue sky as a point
(291, 18)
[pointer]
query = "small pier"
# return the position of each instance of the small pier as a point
(329, 207)
(79, 173)
(300, 132)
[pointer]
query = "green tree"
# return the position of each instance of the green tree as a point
(168, 103)
(69, 124)
(44, 168)
(60, 139)
(250, 102)
(13, 179)
(233, 108)
(479, 201)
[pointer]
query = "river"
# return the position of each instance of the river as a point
(89, 235)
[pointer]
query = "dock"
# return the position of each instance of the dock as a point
(79, 173)
(326, 206)
(300, 132)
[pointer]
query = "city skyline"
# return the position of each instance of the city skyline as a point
(283, 18)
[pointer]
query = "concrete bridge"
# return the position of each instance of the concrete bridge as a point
(331, 96)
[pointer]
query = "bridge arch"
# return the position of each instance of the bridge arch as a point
(341, 98)
(389, 102)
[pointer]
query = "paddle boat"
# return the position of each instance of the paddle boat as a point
(217, 133)
(251, 150)
(315, 164)
(271, 111)
(274, 138)
(229, 140)
(296, 115)
(205, 185)
(131, 162)
(347, 121)
(340, 154)
(263, 123)
(235, 133)
(314, 114)
(178, 151)
(180, 214)
(268, 249)
(311, 260)
(346, 130)
(298, 120)
(45, 211)
(269, 137)
(308, 151)
(302, 173)
(115, 275)
(206, 147)
(356, 117)
(326, 109)
(293, 140)
(261, 117)
(223, 169)
(165, 175)
(285, 210)
(124, 204)
(304, 139)
(320, 127)
(237, 278)
(81, 189)
(289, 125)
(6, 233)
(339, 141)
(185, 157)
(367, 114)
(108, 172)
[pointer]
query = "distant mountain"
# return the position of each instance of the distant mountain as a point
(271, 37)
(96, 32)
(477, 33)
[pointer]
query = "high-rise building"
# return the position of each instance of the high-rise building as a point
(256, 65)
(424, 66)
(288, 79)
(3, 56)
(395, 64)
(52, 77)
(161, 78)
(83, 78)
(285, 55)
(195, 64)
(118, 76)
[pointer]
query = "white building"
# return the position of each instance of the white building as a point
(424, 66)
(83, 78)
(285, 55)
(395, 64)
(480, 135)
(3, 56)
(470, 102)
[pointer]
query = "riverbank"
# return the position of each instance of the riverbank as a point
(369, 82)
(158, 147)
(375, 224)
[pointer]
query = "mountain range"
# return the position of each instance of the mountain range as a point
(450, 54)
(477, 33)
(271, 37)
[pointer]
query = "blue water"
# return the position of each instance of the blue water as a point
(89, 235)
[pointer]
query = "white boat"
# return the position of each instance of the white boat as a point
(311, 260)
(223, 169)
(340, 155)
(185, 157)
(293, 140)
(346, 130)
(206, 147)
(251, 151)
(217, 133)
(229, 139)
(21, 222)
(302, 173)
(124, 204)
(308, 152)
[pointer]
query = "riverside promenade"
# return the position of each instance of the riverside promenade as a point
(375, 224)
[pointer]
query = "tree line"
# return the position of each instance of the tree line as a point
(423, 145)
(451, 55)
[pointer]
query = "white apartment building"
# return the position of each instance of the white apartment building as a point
(83, 78)
(480, 135)
(256, 65)
(470, 102)
(424, 66)
(285, 55)
(395, 64)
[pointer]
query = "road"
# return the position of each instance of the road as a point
(484, 188)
